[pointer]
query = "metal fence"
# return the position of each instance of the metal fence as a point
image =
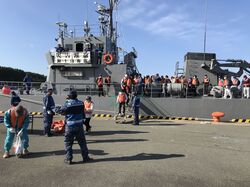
(147, 90)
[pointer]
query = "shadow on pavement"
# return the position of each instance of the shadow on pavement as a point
(161, 124)
(115, 140)
(138, 157)
(60, 152)
(41, 133)
(103, 133)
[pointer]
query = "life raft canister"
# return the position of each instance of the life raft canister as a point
(108, 58)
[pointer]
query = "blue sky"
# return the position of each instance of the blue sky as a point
(162, 31)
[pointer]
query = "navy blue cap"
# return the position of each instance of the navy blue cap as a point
(72, 94)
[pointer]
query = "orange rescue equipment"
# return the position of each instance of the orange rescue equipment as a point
(58, 126)
(108, 58)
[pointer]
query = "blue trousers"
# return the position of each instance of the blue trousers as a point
(136, 115)
(10, 137)
(70, 134)
(47, 121)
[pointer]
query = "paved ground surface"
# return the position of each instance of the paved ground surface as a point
(157, 153)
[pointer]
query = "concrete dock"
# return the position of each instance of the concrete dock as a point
(156, 153)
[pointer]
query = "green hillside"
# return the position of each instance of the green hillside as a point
(11, 74)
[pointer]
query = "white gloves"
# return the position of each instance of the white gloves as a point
(20, 133)
(12, 130)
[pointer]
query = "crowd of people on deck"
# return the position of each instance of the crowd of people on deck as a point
(161, 86)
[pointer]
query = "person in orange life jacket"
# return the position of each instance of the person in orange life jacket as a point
(227, 85)
(89, 107)
(246, 87)
(195, 84)
(205, 85)
(16, 120)
(124, 82)
(99, 82)
(15, 99)
(108, 82)
(121, 100)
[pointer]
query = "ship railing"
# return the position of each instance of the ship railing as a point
(147, 90)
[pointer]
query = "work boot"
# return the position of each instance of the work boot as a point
(25, 152)
(69, 162)
(6, 154)
(88, 129)
(88, 159)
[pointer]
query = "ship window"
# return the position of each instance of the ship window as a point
(79, 47)
(69, 47)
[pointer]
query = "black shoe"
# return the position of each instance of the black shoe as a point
(88, 129)
(135, 124)
(88, 159)
(48, 134)
(69, 162)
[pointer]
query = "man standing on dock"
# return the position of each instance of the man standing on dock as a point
(48, 113)
(73, 110)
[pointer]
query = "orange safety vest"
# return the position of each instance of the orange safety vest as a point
(99, 81)
(129, 82)
(147, 80)
(194, 82)
(14, 119)
(87, 106)
(122, 98)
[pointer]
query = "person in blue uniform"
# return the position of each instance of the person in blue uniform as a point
(73, 109)
(27, 83)
(136, 107)
(48, 113)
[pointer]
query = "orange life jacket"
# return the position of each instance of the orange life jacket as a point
(129, 82)
(122, 98)
(99, 82)
(87, 105)
(194, 82)
(147, 80)
(17, 121)
(225, 82)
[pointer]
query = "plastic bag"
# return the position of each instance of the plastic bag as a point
(18, 146)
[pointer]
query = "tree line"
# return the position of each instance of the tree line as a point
(12, 74)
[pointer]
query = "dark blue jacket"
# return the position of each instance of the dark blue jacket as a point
(136, 102)
(73, 110)
(48, 103)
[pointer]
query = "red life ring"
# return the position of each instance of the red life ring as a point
(108, 58)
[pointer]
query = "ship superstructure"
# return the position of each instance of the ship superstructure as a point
(81, 59)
